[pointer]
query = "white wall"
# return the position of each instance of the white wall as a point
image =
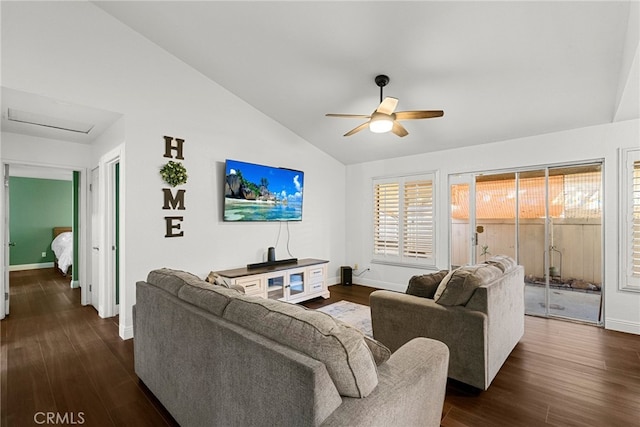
(111, 138)
(17, 148)
(622, 309)
(74, 51)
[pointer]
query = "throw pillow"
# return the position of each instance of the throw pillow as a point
(463, 282)
(425, 285)
(443, 285)
(379, 351)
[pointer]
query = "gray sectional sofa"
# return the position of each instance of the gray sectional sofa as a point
(477, 311)
(216, 357)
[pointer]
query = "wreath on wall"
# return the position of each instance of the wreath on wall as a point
(174, 173)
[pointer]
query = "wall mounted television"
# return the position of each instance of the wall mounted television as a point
(254, 192)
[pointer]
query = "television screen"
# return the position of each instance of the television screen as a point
(262, 193)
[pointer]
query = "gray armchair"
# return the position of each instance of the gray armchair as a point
(480, 330)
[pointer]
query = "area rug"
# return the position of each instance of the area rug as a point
(356, 315)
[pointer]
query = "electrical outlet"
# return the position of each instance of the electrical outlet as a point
(355, 266)
(44, 254)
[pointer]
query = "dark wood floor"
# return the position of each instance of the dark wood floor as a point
(57, 356)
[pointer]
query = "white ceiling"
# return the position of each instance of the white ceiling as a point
(500, 70)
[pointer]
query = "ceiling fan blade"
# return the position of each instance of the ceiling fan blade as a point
(412, 115)
(387, 105)
(349, 116)
(398, 129)
(357, 129)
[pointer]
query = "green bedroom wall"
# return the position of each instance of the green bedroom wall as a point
(35, 207)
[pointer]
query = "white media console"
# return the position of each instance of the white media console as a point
(296, 281)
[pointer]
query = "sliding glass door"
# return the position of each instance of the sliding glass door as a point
(549, 220)
(575, 242)
(462, 220)
(496, 202)
(532, 239)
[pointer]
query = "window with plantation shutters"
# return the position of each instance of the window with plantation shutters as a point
(386, 222)
(403, 220)
(630, 219)
(418, 220)
(635, 239)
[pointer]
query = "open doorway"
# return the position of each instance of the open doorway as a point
(89, 134)
(43, 224)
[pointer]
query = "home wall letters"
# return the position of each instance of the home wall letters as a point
(173, 174)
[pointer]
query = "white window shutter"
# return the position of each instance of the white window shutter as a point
(418, 220)
(386, 234)
(630, 221)
(403, 220)
(634, 222)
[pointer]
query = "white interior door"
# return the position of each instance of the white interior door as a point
(4, 308)
(106, 211)
(95, 238)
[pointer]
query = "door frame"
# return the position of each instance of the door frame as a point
(470, 178)
(4, 237)
(82, 223)
(96, 224)
(107, 264)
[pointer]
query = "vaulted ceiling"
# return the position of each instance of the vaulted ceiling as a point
(499, 70)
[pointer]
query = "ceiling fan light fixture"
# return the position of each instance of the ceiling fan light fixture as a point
(380, 123)
(384, 118)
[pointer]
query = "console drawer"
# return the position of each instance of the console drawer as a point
(316, 287)
(252, 286)
(316, 275)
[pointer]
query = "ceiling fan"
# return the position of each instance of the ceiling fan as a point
(383, 119)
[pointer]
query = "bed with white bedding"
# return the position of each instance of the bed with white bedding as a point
(62, 247)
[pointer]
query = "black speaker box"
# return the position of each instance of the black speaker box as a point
(345, 275)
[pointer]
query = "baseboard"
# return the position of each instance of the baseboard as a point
(21, 267)
(363, 281)
(390, 286)
(622, 326)
(126, 332)
(75, 284)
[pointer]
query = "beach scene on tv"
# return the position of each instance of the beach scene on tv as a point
(255, 192)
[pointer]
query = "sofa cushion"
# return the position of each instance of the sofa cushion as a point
(172, 280)
(342, 349)
(460, 284)
(425, 285)
(503, 262)
(211, 298)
